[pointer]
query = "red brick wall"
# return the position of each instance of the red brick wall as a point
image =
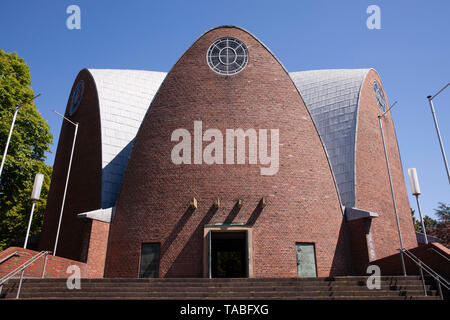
(359, 248)
(98, 242)
(55, 267)
(302, 201)
(438, 261)
(84, 191)
(373, 192)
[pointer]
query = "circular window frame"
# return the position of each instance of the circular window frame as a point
(378, 93)
(78, 92)
(239, 50)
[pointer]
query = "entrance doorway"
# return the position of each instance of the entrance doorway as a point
(228, 254)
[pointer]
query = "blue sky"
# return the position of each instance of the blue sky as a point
(411, 53)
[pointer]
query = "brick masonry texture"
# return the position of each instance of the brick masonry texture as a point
(104, 141)
(124, 97)
(84, 189)
(302, 200)
(373, 192)
(98, 242)
(332, 98)
(434, 255)
(360, 251)
(56, 267)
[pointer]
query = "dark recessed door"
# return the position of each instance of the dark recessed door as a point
(228, 254)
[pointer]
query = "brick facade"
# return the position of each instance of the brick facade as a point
(98, 241)
(373, 191)
(302, 201)
(434, 255)
(56, 267)
(153, 205)
(84, 189)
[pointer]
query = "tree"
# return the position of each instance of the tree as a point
(442, 232)
(30, 141)
(427, 221)
(443, 212)
(441, 229)
(417, 224)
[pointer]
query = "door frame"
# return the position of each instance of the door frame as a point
(226, 228)
(315, 256)
(140, 258)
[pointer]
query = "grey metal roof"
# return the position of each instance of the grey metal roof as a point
(332, 97)
(124, 97)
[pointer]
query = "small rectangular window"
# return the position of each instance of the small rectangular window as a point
(306, 260)
(149, 260)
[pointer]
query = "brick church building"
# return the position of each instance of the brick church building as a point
(229, 165)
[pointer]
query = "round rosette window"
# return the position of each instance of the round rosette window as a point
(379, 96)
(76, 98)
(227, 56)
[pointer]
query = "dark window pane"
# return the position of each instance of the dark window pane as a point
(149, 260)
(221, 67)
(215, 61)
(240, 60)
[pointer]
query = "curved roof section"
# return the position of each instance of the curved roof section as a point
(332, 97)
(124, 97)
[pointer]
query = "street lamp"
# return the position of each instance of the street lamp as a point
(430, 100)
(415, 190)
(35, 194)
(392, 188)
(11, 130)
(67, 179)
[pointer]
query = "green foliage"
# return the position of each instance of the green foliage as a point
(427, 221)
(443, 212)
(417, 224)
(30, 141)
(442, 232)
(437, 228)
(441, 228)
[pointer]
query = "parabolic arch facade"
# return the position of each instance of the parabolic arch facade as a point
(326, 209)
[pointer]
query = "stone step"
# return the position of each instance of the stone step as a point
(217, 283)
(243, 284)
(236, 298)
(234, 280)
(237, 288)
(206, 293)
(119, 295)
(99, 288)
(85, 287)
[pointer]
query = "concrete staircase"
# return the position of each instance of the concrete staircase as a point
(338, 288)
